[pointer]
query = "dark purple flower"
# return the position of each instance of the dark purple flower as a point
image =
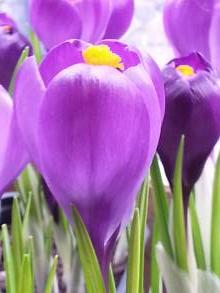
(90, 118)
(89, 20)
(192, 92)
(12, 43)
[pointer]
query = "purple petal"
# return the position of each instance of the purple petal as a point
(61, 57)
(120, 20)
(12, 43)
(187, 24)
(95, 16)
(55, 21)
(215, 38)
(143, 81)
(29, 91)
(94, 135)
(13, 156)
(7, 20)
(192, 109)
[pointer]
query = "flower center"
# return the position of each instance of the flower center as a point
(102, 55)
(186, 70)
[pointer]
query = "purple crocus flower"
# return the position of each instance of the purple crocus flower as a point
(193, 25)
(192, 108)
(12, 43)
(90, 118)
(89, 20)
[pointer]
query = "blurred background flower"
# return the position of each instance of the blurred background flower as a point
(146, 31)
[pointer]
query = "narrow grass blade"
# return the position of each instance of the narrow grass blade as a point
(155, 273)
(178, 212)
(17, 238)
(134, 256)
(161, 206)
(8, 262)
(23, 56)
(143, 207)
(26, 280)
(197, 237)
(215, 224)
(36, 47)
(51, 276)
(89, 262)
(111, 280)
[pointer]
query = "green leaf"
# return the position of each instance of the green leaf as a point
(17, 238)
(23, 56)
(111, 280)
(51, 276)
(143, 207)
(8, 262)
(26, 283)
(134, 255)
(155, 273)
(197, 237)
(36, 47)
(90, 265)
(27, 216)
(215, 223)
(161, 206)
(178, 212)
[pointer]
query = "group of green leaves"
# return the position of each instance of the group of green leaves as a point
(172, 229)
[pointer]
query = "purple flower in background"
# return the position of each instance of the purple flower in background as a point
(90, 118)
(90, 20)
(193, 25)
(192, 92)
(12, 43)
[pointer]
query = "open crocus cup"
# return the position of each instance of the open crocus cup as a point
(90, 118)
(192, 91)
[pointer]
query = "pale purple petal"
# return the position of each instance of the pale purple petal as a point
(187, 24)
(55, 21)
(95, 16)
(215, 38)
(29, 91)
(61, 57)
(13, 156)
(120, 20)
(7, 20)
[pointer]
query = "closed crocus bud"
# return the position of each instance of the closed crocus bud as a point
(12, 43)
(90, 20)
(192, 92)
(90, 118)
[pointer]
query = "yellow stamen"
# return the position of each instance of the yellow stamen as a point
(102, 55)
(186, 70)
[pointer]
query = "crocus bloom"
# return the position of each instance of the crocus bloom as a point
(89, 20)
(192, 92)
(193, 25)
(90, 117)
(12, 44)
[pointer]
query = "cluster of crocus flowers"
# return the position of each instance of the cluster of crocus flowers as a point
(12, 43)
(89, 117)
(89, 20)
(192, 92)
(193, 26)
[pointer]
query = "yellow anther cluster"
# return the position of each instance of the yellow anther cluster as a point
(186, 70)
(102, 55)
